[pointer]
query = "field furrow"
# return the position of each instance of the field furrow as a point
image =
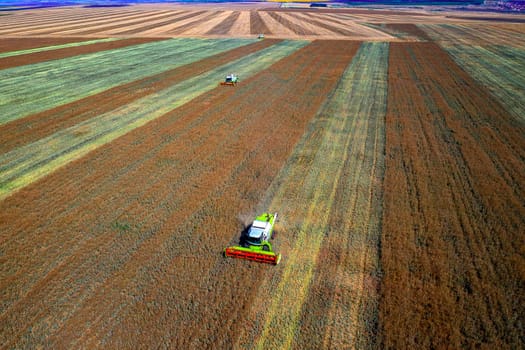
(453, 203)
(37, 126)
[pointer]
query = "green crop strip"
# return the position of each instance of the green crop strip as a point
(347, 135)
(28, 163)
(34, 88)
(499, 68)
(55, 47)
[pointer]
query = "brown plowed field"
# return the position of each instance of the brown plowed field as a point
(326, 24)
(452, 246)
(140, 20)
(39, 125)
(146, 25)
(116, 266)
(30, 58)
(257, 25)
(225, 26)
(297, 29)
(410, 29)
(83, 25)
(202, 19)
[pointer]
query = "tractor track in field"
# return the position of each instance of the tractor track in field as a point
(34, 127)
(455, 165)
(103, 259)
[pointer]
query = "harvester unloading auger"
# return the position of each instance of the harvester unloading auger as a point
(255, 242)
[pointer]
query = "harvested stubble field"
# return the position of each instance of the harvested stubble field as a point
(397, 168)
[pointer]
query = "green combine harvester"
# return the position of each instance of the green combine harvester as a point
(255, 242)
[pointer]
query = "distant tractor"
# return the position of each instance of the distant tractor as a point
(230, 80)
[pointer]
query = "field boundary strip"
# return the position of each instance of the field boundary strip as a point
(56, 47)
(25, 164)
(348, 136)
